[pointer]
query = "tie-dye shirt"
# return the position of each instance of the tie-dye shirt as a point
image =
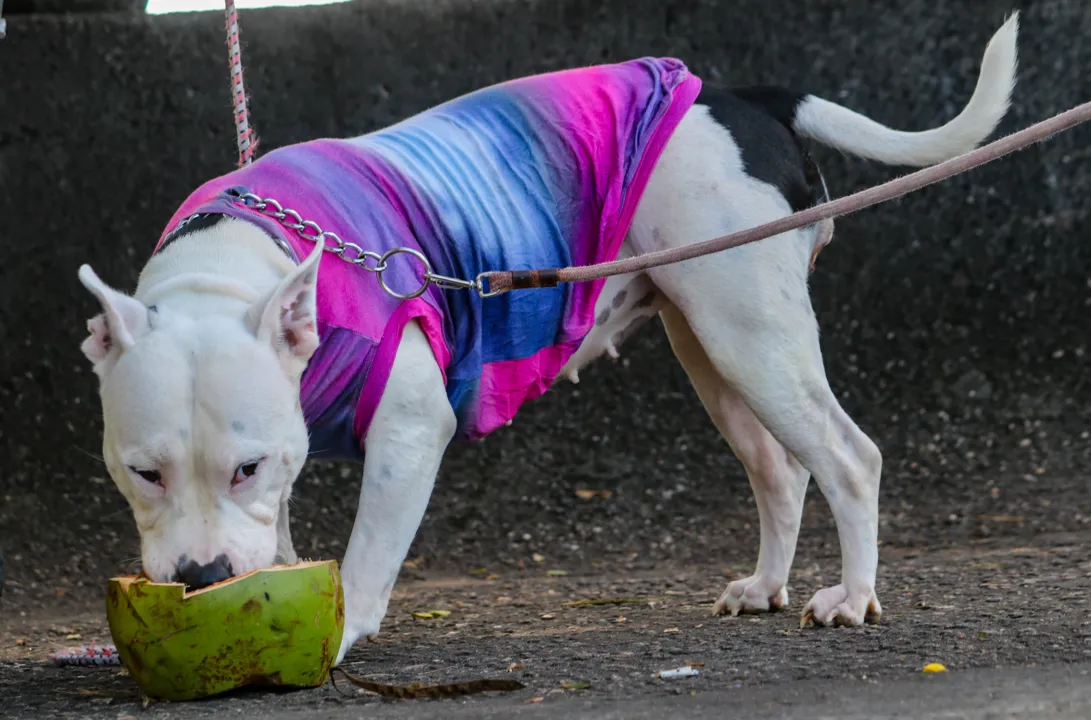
(540, 172)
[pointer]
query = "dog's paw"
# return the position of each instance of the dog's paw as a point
(837, 606)
(356, 629)
(351, 637)
(347, 641)
(754, 594)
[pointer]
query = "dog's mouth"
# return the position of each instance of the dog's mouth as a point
(302, 564)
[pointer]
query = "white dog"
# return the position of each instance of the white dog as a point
(202, 370)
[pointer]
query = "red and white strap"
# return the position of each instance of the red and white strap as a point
(243, 132)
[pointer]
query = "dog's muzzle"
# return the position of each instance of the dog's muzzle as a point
(197, 576)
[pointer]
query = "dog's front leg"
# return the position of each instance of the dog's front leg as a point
(285, 548)
(405, 443)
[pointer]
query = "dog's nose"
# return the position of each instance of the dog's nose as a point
(197, 576)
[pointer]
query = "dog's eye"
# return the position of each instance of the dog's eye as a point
(244, 472)
(152, 476)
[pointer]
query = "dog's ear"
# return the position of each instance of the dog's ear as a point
(122, 321)
(288, 317)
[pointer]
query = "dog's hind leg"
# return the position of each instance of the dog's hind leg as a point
(772, 360)
(750, 311)
(778, 480)
(769, 355)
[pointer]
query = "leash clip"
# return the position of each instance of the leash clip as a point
(479, 286)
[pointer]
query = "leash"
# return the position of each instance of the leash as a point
(244, 134)
(504, 281)
(497, 282)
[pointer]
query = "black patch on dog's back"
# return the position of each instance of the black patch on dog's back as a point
(779, 102)
(760, 120)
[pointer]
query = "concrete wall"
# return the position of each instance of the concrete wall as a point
(960, 312)
(27, 7)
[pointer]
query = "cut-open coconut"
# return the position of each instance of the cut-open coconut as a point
(277, 626)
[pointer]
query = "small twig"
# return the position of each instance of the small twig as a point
(612, 601)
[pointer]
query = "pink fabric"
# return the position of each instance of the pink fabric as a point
(539, 172)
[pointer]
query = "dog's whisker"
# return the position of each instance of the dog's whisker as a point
(134, 563)
(90, 454)
(114, 514)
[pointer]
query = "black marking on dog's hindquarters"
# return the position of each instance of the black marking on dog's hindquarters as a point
(780, 103)
(783, 104)
(645, 301)
(759, 120)
(635, 324)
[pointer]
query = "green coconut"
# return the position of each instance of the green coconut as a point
(278, 626)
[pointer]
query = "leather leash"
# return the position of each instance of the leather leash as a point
(504, 281)
(496, 282)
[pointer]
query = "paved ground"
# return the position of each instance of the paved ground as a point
(1009, 620)
(986, 567)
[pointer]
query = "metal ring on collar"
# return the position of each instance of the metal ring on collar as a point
(419, 256)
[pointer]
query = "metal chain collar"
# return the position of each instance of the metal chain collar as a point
(353, 254)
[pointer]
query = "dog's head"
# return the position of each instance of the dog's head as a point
(203, 431)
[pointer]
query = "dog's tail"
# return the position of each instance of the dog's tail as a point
(848, 131)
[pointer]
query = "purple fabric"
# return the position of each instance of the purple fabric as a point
(540, 172)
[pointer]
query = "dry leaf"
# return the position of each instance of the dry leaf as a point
(547, 616)
(418, 691)
(479, 571)
(588, 494)
(514, 667)
(21, 642)
(576, 685)
(556, 573)
(95, 692)
(72, 636)
(431, 614)
(671, 630)
(535, 700)
(538, 557)
(621, 618)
